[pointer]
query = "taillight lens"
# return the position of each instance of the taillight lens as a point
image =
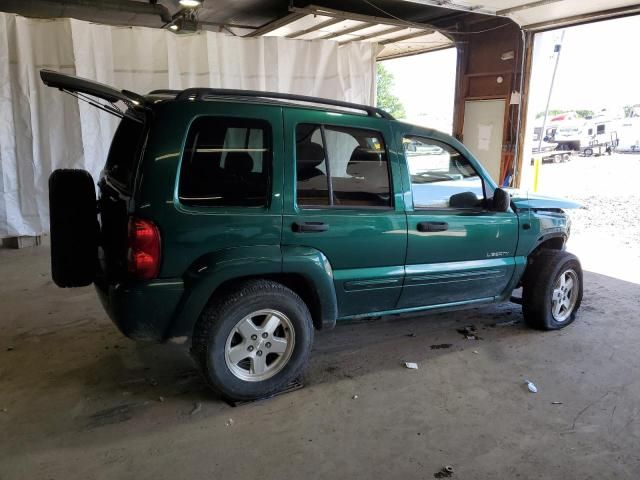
(144, 249)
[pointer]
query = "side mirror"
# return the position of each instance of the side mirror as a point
(501, 200)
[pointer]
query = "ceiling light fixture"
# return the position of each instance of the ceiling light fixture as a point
(191, 3)
(173, 27)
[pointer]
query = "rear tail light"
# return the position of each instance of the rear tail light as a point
(143, 256)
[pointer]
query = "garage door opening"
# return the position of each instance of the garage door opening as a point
(587, 146)
(420, 88)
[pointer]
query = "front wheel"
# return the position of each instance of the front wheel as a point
(254, 341)
(552, 290)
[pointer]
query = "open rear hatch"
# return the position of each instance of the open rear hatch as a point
(116, 184)
(90, 91)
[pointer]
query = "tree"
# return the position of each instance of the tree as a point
(584, 113)
(553, 113)
(632, 110)
(385, 99)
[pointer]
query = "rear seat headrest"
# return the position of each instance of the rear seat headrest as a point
(309, 154)
(363, 154)
(238, 163)
(363, 159)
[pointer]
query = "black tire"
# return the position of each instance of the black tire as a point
(74, 228)
(588, 152)
(542, 273)
(220, 318)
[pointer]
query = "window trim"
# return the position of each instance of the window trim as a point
(482, 208)
(332, 205)
(192, 203)
(327, 165)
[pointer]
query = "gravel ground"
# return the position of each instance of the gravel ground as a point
(618, 216)
(607, 230)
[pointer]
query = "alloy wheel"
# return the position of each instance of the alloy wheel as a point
(260, 345)
(565, 295)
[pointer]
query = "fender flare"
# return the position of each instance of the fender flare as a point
(316, 269)
(212, 270)
(546, 237)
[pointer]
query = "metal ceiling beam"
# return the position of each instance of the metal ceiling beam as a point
(449, 5)
(227, 25)
(276, 24)
(123, 10)
(347, 31)
(319, 26)
(583, 18)
(526, 6)
(377, 34)
(405, 37)
(328, 12)
(414, 52)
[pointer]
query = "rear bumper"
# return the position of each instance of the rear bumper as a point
(141, 311)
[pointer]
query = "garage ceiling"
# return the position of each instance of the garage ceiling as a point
(400, 27)
(541, 13)
(396, 38)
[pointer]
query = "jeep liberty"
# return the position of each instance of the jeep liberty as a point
(241, 221)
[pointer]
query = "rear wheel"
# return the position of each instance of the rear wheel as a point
(552, 290)
(74, 228)
(253, 341)
(588, 152)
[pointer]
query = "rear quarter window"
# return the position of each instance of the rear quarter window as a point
(226, 162)
(125, 151)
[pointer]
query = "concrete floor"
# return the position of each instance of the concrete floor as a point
(79, 401)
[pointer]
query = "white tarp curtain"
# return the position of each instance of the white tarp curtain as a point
(42, 129)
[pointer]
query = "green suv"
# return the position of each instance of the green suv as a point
(242, 221)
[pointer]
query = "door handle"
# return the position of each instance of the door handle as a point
(309, 227)
(432, 226)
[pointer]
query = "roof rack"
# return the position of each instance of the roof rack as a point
(164, 92)
(200, 93)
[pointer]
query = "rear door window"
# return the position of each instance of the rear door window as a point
(341, 166)
(226, 162)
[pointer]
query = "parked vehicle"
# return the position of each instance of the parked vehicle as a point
(593, 135)
(240, 221)
(629, 135)
(544, 145)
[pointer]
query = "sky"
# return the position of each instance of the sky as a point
(599, 68)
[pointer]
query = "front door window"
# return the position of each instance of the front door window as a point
(441, 177)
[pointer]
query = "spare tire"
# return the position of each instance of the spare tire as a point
(74, 228)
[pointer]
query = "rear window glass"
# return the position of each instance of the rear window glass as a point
(226, 162)
(125, 151)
